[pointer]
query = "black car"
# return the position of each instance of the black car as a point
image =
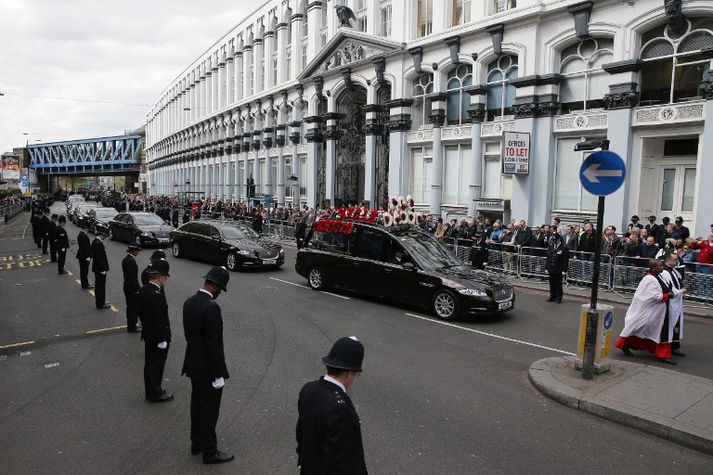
(233, 245)
(145, 228)
(399, 263)
(80, 213)
(99, 218)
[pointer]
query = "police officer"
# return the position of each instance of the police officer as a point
(45, 229)
(84, 256)
(145, 273)
(156, 330)
(62, 244)
(205, 364)
(131, 287)
(556, 264)
(479, 251)
(328, 427)
(35, 220)
(100, 266)
(52, 230)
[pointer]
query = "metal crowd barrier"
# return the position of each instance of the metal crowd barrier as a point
(581, 270)
(9, 212)
(628, 272)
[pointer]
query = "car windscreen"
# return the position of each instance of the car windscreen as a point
(426, 251)
(232, 232)
(84, 209)
(108, 214)
(147, 220)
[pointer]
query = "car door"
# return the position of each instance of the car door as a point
(117, 227)
(213, 243)
(403, 280)
(364, 272)
(200, 244)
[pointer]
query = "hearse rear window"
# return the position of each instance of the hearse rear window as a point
(332, 235)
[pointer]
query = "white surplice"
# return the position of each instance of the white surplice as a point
(647, 312)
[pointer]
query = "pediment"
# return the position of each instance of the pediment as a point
(348, 48)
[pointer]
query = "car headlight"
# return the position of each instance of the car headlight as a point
(473, 292)
(282, 251)
(244, 252)
(146, 234)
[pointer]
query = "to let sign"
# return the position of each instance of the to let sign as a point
(516, 153)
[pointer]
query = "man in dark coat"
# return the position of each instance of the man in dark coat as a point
(145, 273)
(300, 232)
(156, 330)
(35, 220)
(205, 364)
(174, 217)
(328, 426)
(557, 263)
(131, 287)
(479, 251)
(84, 256)
(52, 231)
(257, 222)
(100, 266)
(62, 244)
(45, 229)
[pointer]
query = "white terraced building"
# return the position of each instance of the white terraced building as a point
(416, 95)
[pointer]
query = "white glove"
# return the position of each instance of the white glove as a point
(89, 259)
(103, 272)
(218, 383)
(163, 345)
(63, 250)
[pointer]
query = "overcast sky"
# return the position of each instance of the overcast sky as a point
(123, 52)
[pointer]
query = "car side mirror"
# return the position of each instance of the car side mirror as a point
(217, 237)
(408, 265)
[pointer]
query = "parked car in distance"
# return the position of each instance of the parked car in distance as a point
(80, 212)
(147, 229)
(99, 218)
(72, 202)
(402, 264)
(236, 246)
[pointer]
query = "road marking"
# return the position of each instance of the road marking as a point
(107, 329)
(491, 335)
(114, 309)
(51, 365)
(78, 281)
(69, 272)
(91, 292)
(15, 345)
(310, 288)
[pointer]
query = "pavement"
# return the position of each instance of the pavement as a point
(435, 397)
(666, 403)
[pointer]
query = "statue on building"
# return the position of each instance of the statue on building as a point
(676, 19)
(345, 15)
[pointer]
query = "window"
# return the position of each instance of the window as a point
(386, 16)
(261, 75)
(251, 75)
(501, 94)
(421, 105)
(457, 170)
(424, 17)
(569, 194)
(273, 173)
(675, 62)
(492, 171)
(458, 100)
(303, 176)
(360, 13)
(460, 13)
(288, 61)
(421, 165)
(333, 241)
(585, 82)
(504, 5)
(305, 33)
(287, 174)
(323, 29)
(369, 244)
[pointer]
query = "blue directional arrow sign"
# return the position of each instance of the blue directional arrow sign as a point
(602, 173)
(608, 320)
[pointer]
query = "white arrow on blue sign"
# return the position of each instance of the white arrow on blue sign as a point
(602, 173)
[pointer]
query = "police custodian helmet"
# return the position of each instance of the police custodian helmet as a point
(218, 275)
(347, 353)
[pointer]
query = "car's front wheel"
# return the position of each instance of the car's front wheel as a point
(231, 262)
(111, 235)
(315, 277)
(445, 305)
(176, 250)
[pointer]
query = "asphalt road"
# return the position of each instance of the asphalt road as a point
(433, 399)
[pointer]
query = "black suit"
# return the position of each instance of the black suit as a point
(203, 363)
(100, 266)
(52, 231)
(131, 288)
(479, 253)
(84, 255)
(328, 431)
(156, 328)
(571, 242)
(44, 232)
(62, 246)
(557, 263)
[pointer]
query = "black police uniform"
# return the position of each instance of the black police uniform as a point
(131, 289)
(52, 231)
(557, 263)
(44, 232)
(479, 253)
(35, 222)
(328, 431)
(84, 255)
(203, 363)
(62, 246)
(100, 263)
(156, 327)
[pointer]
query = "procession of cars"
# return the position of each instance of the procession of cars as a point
(400, 263)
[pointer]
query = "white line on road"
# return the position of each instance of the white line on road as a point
(491, 335)
(309, 288)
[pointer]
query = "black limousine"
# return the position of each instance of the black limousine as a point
(145, 228)
(227, 243)
(399, 263)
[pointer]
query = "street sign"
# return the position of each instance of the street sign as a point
(602, 173)
(516, 153)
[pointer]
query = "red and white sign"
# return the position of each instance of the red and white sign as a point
(516, 153)
(11, 167)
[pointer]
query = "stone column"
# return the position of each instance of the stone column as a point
(476, 112)
(373, 129)
(258, 58)
(230, 80)
(399, 159)
(314, 144)
(331, 136)
(702, 211)
(269, 47)
(280, 142)
(216, 88)
(221, 86)
(296, 45)
(247, 78)
(208, 104)
(267, 144)
(238, 94)
(295, 139)
(438, 118)
(281, 52)
(314, 22)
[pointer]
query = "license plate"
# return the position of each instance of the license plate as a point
(162, 240)
(269, 261)
(505, 305)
